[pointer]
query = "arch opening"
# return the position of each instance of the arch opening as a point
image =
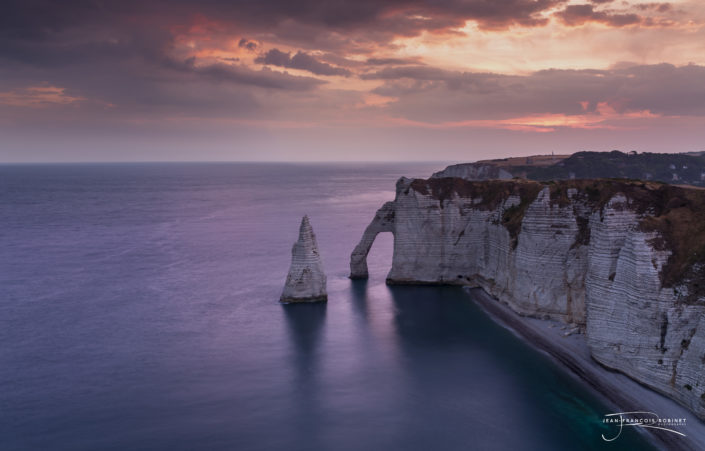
(382, 222)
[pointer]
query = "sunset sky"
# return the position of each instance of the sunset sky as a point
(285, 80)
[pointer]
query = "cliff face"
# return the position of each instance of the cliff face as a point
(474, 171)
(615, 258)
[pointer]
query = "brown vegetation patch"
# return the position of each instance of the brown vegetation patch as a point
(597, 192)
(679, 220)
(488, 194)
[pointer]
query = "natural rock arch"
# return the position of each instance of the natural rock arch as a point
(382, 222)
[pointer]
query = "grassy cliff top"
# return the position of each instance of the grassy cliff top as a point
(530, 161)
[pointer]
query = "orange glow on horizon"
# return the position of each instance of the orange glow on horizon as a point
(37, 97)
(604, 118)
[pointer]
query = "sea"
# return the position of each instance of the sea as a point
(139, 310)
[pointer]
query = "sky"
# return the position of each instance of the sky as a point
(348, 80)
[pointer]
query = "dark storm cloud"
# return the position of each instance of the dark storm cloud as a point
(346, 14)
(428, 94)
(302, 61)
(125, 57)
(127, 52)
(245, 44)
(275, 57)
(119, 57)
(38, 19)
(574, 15)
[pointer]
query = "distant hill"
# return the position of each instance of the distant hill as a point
(680, 168)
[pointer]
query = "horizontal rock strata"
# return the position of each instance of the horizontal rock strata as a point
(306, 281)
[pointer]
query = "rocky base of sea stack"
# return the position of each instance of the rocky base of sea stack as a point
(310, 299)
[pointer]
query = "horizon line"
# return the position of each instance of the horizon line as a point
(225, 161)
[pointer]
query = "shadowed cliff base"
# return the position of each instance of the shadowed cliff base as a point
(303, 300)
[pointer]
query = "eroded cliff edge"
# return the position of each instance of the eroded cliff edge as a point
(622, 260)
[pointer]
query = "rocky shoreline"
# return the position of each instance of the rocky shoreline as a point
(615, 389)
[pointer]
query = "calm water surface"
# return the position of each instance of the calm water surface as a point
(138, 311)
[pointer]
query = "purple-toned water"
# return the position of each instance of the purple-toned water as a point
(138, 311)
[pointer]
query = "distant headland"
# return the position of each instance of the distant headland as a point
(676, 168)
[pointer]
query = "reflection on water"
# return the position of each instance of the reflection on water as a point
(305, 322)
(358, 296)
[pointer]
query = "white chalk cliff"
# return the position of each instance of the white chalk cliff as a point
(474, 171)
(306, 281)
(583, 252)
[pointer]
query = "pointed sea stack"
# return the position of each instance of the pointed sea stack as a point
(306, 281)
